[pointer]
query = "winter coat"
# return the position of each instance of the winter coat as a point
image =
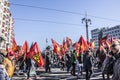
(107, 66)
(73, 58)
(87, 63)
(116, 70)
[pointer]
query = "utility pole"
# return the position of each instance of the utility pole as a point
(86, 20)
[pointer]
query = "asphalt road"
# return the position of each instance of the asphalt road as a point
(57, 74)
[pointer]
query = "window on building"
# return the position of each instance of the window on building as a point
(5, 3)
(5, 34)
(4, 17)
(3, 30)
(7, 22)
(8, 11)
(4, 10)
(8, 4)
(3, 24)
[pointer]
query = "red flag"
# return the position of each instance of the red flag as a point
(107, 44)
(24, 49)
(77, 46)
(35, 55)
(111, 40)
(101, 48)
(88, 44)
(64, 46)
(83, 44)
(105, 38)
(93, 45)
(56, 46)
(62, 50)
(14, 45)
(68, 41)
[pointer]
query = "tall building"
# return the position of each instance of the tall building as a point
(95, 36)
(112, 32)
(6, 24)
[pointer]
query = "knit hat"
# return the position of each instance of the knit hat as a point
(11, 53)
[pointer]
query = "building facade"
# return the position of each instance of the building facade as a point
(112, 32)
(95, 36)
(6, 24)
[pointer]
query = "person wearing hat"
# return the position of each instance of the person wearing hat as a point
(116, 67)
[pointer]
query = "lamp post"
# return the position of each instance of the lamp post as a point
(86, 20)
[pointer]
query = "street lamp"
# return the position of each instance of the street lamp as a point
(86, 24)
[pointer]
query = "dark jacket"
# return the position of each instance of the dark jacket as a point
(73, 58)
(116, 68)
(48, 62)
(88, 62)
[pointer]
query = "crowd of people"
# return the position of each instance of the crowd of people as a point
(72, 63)
(107, 60)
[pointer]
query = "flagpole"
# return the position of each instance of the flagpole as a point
(46, 42)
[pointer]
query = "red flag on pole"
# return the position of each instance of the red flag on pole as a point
(64, 46)
(14, 45)
(107, 44)
(93, 45)
(83, 44)
(24, 49)
(56, 46)
(68, 41)
(35, 55)
(77, 48)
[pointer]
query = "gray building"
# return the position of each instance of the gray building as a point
(112, 32)
(95, 36)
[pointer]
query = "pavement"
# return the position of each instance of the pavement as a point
(58, 74)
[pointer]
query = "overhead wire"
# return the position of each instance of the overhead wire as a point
(46, 21)
(77, 13)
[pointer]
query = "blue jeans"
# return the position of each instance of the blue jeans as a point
(2, 76)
